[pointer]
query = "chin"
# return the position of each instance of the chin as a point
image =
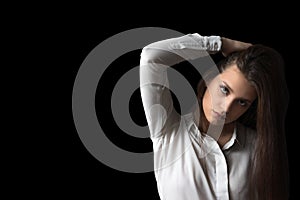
(217, 122)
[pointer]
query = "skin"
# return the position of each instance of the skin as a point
(228, 96)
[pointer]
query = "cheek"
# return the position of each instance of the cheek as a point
(235, 113)
(207, 104)
(213, 99)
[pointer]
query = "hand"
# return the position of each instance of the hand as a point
(229, 46)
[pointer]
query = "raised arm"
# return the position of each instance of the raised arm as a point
(155, 59)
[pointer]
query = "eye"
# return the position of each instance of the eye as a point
(242, 102)
(224, 89)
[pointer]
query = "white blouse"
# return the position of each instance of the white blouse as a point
(189, 165)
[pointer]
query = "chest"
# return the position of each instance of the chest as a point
(206, 176)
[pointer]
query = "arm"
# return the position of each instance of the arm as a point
(155, 59)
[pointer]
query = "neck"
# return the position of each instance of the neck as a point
(228, 128)
(218, 132)
(226, 134)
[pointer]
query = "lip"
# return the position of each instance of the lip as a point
(218, 115)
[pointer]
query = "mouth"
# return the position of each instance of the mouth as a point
(218, 115)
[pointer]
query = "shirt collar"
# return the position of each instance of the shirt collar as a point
(232, 140)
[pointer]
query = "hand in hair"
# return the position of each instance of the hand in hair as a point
(229, 46)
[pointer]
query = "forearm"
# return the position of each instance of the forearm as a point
(188, 47)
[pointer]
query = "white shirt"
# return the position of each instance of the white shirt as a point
(189, 165)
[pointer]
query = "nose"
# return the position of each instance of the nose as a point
(225, 105)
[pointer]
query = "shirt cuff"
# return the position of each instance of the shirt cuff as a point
(211, 43)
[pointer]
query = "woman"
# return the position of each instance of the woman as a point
(232, 146)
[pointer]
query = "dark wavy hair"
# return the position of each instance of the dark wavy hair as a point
(263, 67)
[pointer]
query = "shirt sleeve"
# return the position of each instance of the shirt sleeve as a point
(154, 85)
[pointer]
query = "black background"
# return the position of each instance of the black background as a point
(65, 37)
(91, 177)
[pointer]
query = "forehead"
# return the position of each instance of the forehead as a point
(235, 79)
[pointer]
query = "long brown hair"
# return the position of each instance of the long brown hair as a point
(263, 67)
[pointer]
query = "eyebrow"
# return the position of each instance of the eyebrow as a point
(229, 88)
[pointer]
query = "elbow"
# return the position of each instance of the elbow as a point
(150, 55)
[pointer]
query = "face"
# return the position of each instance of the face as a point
(227, 96)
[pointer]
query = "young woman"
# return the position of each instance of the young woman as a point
(232, 146)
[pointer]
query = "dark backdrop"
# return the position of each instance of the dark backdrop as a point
(70, 170)
(88, 176)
